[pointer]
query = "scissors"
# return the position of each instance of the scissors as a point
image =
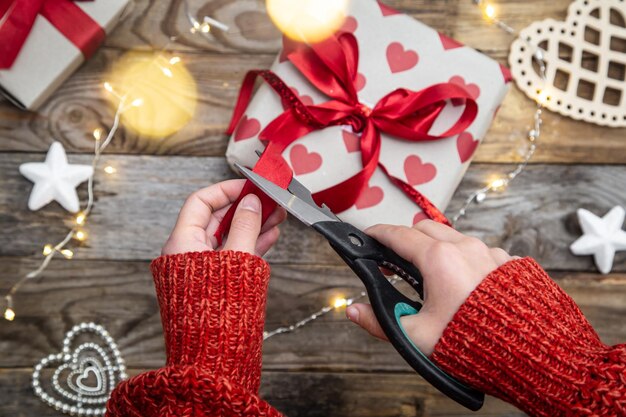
(365, 255)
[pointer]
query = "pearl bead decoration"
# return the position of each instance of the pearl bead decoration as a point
(72, 392)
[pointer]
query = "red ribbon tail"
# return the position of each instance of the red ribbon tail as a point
(272, 167)
(18, 18)
(424, 203)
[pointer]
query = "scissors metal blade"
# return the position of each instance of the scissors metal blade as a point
(302, 210)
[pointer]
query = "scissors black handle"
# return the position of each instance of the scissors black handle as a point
(365, 255)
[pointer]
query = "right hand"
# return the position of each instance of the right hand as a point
(452, 265)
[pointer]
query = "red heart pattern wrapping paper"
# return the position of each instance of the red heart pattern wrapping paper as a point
(395, 51)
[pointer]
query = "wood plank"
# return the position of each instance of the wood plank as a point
(302, 394)
(137, 206)
(120, 296)
(80, 106)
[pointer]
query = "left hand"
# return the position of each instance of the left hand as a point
(204, 210)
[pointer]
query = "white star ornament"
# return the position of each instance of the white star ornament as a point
(55, 179)
(602, 237)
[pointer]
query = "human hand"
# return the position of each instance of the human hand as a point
(452, 265)
(204, 210)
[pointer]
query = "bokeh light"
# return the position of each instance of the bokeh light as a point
(308, 20)
(160, 92)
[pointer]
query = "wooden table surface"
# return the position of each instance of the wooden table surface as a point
(330, 368)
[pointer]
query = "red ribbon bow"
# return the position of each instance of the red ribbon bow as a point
(18, 16)
(331, 66)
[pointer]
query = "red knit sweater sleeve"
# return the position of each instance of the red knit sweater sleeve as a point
(521, 338)
(213, 312)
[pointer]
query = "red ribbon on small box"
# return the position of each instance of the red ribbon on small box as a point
(331, 66)
(18, 16)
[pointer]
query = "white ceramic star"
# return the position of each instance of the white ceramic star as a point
(602, 237)
(55, 179)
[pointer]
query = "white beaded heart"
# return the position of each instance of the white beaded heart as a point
(85, 376)
(585, 62)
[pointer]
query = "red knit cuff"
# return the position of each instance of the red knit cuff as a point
(521, 338)
(213, 312)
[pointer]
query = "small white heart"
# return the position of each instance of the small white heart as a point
(85, 376)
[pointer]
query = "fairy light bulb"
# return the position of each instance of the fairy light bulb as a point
(167, 72)
(497, 184)
(138, 102)
(80, 235)
(340, 302)
(80, 219)
(9, 314)
(97, 133)
(47, 250)
(108, 87)
(174, 60)
(308, 20)
(67, 253)
(490, 11)
(110, 170)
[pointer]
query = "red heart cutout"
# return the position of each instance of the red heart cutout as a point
(360, 82)
(472, 89)
(449, 43)
(400, 59)
(247, 128)
(466, 145)
(418, 172)
(349, 25)
(303, 161)
(419, 217)
(306, 100)
(369, 197)
(387, 10)
(351, 140)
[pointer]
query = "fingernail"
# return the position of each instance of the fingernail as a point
(251, 202)
(353, 313)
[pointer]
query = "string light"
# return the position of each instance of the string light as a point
(9, 314)
(97, 134)
(490, 11)
(109, 169)
(80, 235)
(80, 219)
(174, 60)
(340, 302)
(50, 250)
(47, 250)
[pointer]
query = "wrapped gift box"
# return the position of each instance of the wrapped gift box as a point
(396, 51)
(47, 57)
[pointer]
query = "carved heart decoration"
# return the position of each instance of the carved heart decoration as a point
(585, 58)
(85, 375)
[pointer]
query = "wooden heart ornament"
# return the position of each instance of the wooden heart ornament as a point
(84, 374)
(585, 60)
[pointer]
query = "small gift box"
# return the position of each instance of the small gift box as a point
(42, 42)
(380, 121)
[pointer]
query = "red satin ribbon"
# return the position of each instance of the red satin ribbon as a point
(331, 66)
(18, 16)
